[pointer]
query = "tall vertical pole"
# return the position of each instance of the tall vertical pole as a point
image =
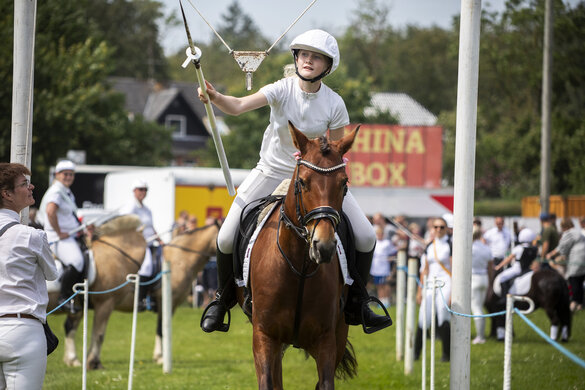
(545, 139)
(400, 297)
(22, 84)
(467, 86)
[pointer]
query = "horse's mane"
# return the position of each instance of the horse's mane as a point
(129, 222)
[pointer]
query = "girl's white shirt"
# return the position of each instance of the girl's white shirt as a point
(311, 113)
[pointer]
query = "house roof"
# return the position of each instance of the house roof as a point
(408, 111)
(150, 99)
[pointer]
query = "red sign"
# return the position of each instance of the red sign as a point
(396, 156)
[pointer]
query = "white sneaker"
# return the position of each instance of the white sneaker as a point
(478, 340)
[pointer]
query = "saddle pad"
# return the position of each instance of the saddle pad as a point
(246, 267)
(55, 285)
(521, 284)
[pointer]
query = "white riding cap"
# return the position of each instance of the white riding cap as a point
(526, 236)
(139, 183)
(65, 165)
(318, 41)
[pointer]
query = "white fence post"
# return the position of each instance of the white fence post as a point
(510, 299)
(133, 278)
(400, 296)
(410, 315)
(76, 288)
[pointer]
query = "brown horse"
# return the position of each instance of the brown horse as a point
(548, 289)
(187, 254)
(117, 251)
(296, 282)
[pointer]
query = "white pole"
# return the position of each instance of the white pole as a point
(400, 295)
(410, 316)
(167, 315)
(464, 185)
(433, 331)
(133, 278)
(508, 341)
(84, 291)
(423, 354)
(22, 85)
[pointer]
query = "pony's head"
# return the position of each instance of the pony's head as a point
(319, 186)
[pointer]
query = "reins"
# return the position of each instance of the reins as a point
(301, 231)
(121, 251)
(192, 231)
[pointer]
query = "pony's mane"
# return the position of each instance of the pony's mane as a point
(324, 145)
(129, 222)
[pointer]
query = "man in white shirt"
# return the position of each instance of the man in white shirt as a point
(498, 239)
(58, 216)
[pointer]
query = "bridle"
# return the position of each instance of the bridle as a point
(304, 217)
(318, 213)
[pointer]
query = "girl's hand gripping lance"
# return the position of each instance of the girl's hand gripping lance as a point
(194, 56)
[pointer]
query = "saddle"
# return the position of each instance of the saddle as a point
(251, 216)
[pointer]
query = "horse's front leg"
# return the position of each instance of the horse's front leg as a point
(102, 312)
(70, 354)
(326, 361)
(267, 360)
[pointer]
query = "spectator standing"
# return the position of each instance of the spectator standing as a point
(26, 262)
(436, 262)
(180, 225)
(58, 213)
(380, 270)
(572, 248)
(481, 256)
(150, 265)
(499, 240)
(379, 220)
(549, 238)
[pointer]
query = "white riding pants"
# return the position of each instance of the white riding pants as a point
(257, 185)
(23, 354)
(511, 273)
(67, 250)
(146, 269)
(479, 285)
(442, 312)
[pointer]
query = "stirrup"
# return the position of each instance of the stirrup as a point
(365, 307)
(224, 327)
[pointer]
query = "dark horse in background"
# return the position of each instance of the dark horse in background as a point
(548, 289)
(296, 282)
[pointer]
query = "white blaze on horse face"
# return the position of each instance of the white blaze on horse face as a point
(323, 244)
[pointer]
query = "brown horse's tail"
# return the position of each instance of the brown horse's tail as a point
(347, 368)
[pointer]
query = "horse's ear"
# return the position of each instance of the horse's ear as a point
(347, 141)
(299, 139)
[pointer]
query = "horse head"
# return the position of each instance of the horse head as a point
(318, 187)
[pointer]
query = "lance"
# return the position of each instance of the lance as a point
(194, 55)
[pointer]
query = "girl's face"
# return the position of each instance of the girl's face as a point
(311, 64)
(66, 177)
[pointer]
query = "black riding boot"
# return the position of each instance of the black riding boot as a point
(357, 311)
(214, 313)
(70, 277)
(445, 335)
(418, 342)
(145, 299)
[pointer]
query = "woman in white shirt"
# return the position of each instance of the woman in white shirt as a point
(26, 262)
(481, 256)
(314, 109)
(436, 262)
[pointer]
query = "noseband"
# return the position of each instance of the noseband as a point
(318, 213)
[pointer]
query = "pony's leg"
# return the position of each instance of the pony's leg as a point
(102, 312)
(70, 354)
(326, 360)
(267, 361)
(157, 354)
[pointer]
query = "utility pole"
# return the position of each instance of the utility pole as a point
(545, 141)
(22, 85)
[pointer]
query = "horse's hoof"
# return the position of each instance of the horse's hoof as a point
(95, 365)
(159, 360)
(72, 362)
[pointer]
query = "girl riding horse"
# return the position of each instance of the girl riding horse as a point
(314, 108)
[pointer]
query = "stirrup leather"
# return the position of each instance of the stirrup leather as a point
(223, 327)
(364, 307)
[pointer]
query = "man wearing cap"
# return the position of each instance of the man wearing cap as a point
(58, 216)
(498, 238)
(137, 207)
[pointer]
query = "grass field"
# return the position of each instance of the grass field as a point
(224, 360)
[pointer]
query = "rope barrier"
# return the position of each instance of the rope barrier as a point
(555, 344)
(152, 281)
